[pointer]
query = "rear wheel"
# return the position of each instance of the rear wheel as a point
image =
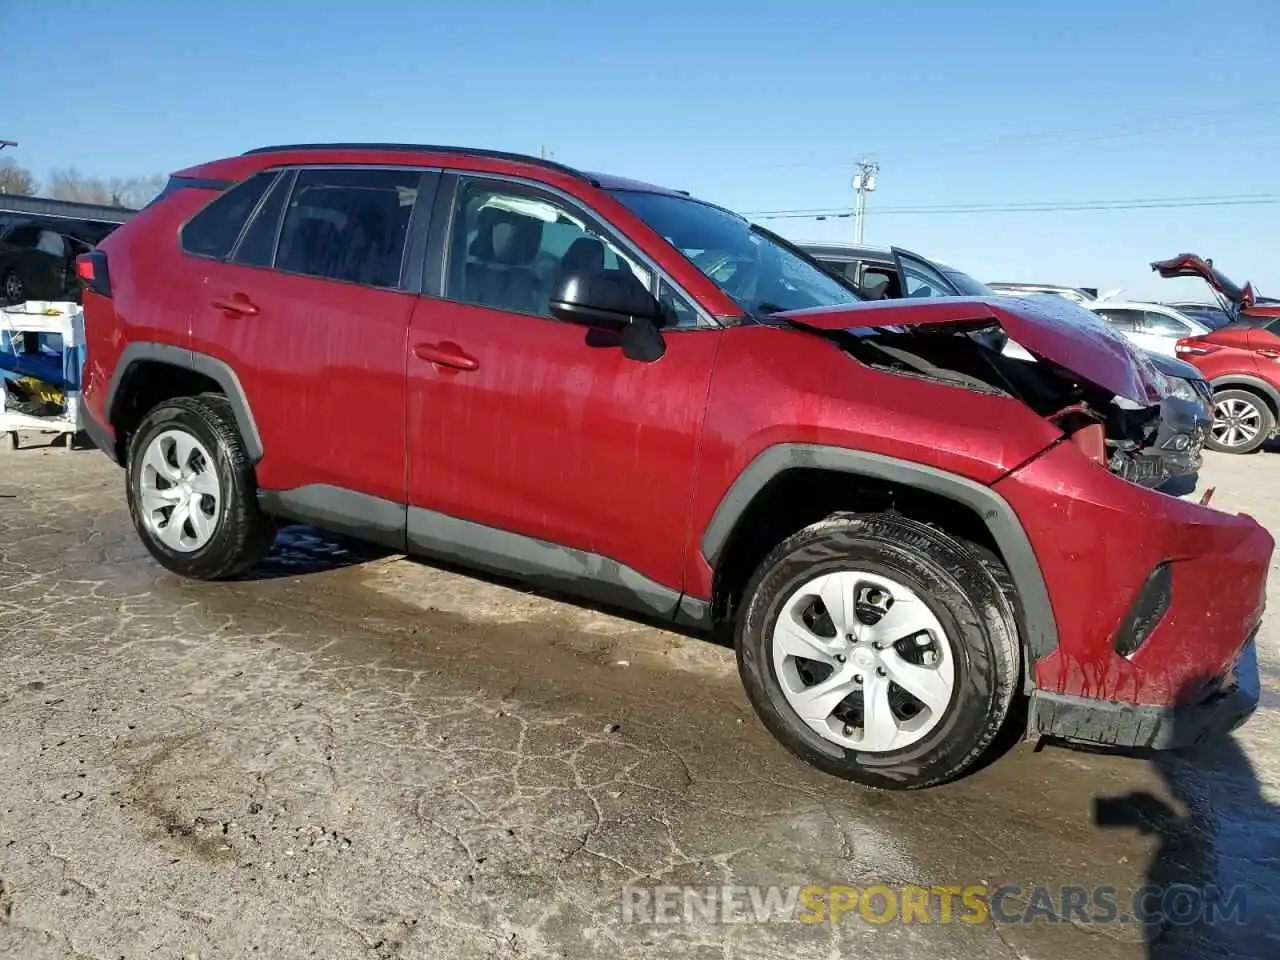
(1242, 422)
(879, 649)
(191, 490)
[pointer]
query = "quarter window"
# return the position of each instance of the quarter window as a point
(213, 231)
(509, 250)
(348, 225)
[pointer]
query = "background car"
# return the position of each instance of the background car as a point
(1151, 326)
(1081, 295)
(37, 263)
(1208, 314)
(1241, 360)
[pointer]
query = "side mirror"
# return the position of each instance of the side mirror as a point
(612, 302)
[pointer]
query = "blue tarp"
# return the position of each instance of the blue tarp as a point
(52, 364)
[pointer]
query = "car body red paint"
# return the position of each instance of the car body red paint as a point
(518, 424)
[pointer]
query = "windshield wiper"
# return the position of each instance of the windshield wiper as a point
(769, 309)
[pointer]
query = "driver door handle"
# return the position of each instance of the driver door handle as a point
(446, 354)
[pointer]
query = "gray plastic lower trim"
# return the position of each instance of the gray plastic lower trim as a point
(213, 368)
(538, 562)
(1041, 631)
(340, 510)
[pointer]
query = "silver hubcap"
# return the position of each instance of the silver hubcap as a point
(1235, 422)
(13, 286)
(863, 661)
(180, 496)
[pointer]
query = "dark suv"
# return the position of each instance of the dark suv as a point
(619, 391)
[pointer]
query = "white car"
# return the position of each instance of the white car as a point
(1152, 326)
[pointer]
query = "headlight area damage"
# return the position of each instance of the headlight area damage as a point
(1106, 399)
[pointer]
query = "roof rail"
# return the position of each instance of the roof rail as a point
(432, 148)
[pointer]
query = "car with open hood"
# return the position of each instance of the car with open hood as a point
(622, 393)
(1241, 359)
(1169, 446)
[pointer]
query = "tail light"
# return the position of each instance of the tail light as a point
(91, 268)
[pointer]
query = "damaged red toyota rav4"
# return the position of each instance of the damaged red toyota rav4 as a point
(621, 392)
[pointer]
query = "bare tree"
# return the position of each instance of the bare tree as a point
(16, 179)
(135, 192)
(68, 183)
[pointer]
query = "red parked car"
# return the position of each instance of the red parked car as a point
(1241, 360)
(623, 392)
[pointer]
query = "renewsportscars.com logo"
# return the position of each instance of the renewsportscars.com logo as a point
(1181, 904)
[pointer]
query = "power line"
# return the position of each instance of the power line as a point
(1068, 206)
(1063, 136)
(1029, 203)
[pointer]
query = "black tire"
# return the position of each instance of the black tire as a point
(12, 289)
(959, 587)
(1266, 420)
(242, 534)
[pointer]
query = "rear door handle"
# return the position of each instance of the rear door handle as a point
(1270, 354)
(445, 354)
(237, 304)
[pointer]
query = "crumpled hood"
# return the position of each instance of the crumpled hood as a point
(1051, 328)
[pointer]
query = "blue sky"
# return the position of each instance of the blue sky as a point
(756, 106)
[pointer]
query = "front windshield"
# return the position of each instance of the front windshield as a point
(761, 275)
(968, 286)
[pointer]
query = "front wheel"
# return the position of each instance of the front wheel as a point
(879, 649)
(192, 492)
(1242, 422)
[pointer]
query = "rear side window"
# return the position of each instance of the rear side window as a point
(257, 248)
(348, 225)
(213, 231)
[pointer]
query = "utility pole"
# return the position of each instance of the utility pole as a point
(864, 182)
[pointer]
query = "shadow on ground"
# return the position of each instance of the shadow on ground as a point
(1213, 884)
(302, 550)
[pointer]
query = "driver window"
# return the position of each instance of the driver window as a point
(510, 248)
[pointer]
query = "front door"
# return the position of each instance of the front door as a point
(522, 424)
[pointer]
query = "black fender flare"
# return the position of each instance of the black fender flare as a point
(1038, 625)
(218, 371)
(1256, 384)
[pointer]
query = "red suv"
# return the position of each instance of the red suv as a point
(621, 392)
(1241, 360)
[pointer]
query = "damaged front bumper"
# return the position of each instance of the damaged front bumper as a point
(1224, 705)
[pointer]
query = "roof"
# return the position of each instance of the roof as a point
(845, 250)
(63, 209)
(607, 181)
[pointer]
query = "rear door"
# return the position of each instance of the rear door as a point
(309, 310)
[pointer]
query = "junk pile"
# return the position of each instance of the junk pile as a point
(41, 360)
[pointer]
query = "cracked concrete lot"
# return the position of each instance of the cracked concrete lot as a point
(351, 755)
